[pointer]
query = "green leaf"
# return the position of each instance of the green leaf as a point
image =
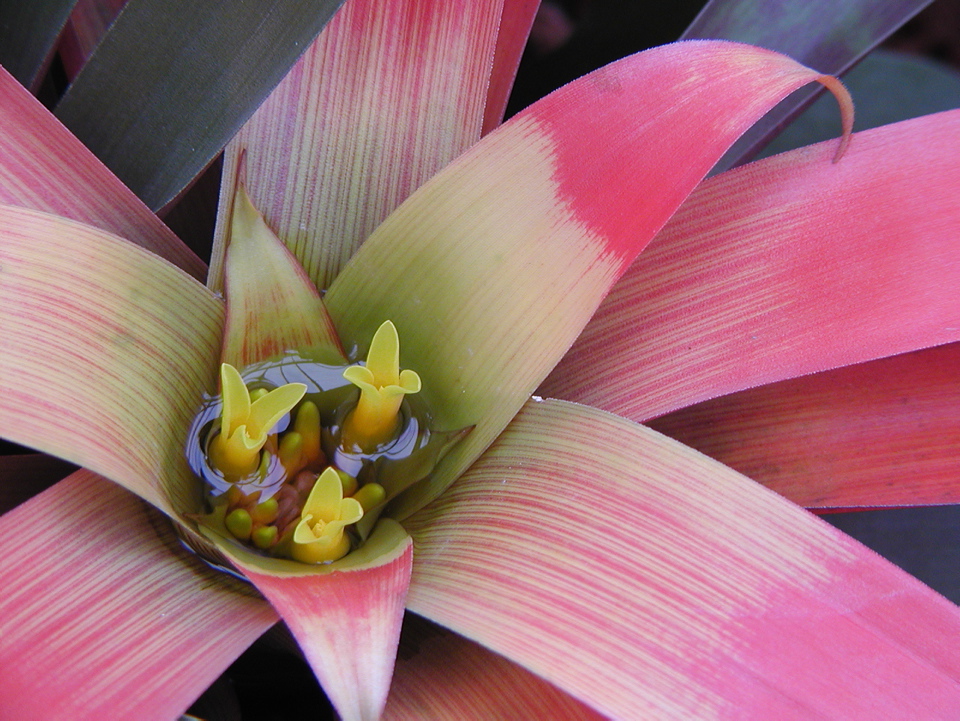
(28, 31)
(490, 270)
(273, 305)
(174, 80)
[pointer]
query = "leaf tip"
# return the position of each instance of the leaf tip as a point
(845, 101)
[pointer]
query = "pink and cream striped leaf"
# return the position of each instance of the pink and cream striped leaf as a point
(42, 166)
(515, 23)
(272, 306)
(882, 433)
(440, 675)
(387, 95)
(24, 476)
(785, 267)
(491, 269)
(106, 353)
(347, 621)
(104, 615)
(671, 586)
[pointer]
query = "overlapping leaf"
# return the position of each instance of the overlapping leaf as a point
(45, 168)
(829, 35)
(688, 591)
(875, 434)
(789, 266)
(173, 81)
(489, 281)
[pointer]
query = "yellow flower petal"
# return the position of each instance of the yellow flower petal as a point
(244, 426)
(319, 536)
(382, 388)
(383, 358)
(236, 400)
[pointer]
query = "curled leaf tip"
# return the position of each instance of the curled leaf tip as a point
(845, 101)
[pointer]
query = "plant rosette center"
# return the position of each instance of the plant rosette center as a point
(299, 458)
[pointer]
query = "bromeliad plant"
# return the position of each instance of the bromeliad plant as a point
(299, 489)
(669, 584)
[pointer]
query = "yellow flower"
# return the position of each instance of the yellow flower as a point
(382, 388)
(319, 536)
(244, 426)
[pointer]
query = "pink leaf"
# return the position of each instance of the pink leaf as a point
(671, 586)
(882, 433)
(104, 615)
(388, 94)
(346, 622)
(781, 268)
